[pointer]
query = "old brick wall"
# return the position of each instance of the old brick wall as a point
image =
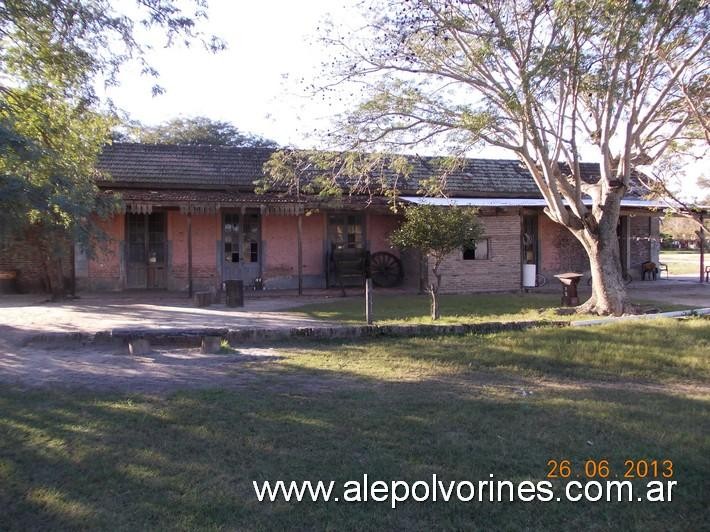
(501, 271)
(21, 254)
(105, 267)
(279, 235)
(559, 250)
(644, 238)
(206, 233)
(379, 227)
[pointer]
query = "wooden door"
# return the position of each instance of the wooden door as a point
(241, 246)
(345, 232)
(530, 240)
(146, 251)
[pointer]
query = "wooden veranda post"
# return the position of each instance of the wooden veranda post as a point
(299, 238)
(368, 291)
(189, 252)
(300, 253)
(72, 259)
(701, 234)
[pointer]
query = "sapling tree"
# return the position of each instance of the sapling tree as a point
(436, 232)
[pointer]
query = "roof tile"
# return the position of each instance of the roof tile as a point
(226, 167)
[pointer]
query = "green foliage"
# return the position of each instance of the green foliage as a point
(437, 231)
(70, 44)
(330, 175)
(198, 130)
(52, 177)
(53, 54)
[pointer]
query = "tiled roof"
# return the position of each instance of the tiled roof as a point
(233, 168)
(189, 166)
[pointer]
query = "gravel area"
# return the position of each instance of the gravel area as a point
(25, 315)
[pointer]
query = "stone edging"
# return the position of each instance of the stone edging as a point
(192, 337)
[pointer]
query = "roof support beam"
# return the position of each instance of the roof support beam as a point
(299, 240)
(189, 253)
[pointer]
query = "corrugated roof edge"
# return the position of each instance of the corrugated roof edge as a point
(517, 202)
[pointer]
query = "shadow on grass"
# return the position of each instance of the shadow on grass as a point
(72, 460)
(657, 351)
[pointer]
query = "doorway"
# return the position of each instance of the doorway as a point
(530, 245)
(345, 231)
(146, 251)
(241, 246)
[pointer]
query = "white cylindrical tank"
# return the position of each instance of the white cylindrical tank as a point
(529, 273)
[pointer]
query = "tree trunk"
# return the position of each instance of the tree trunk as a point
(435, 313)
(51, 256)
(609, 294)
(434, 292)
(55, 277)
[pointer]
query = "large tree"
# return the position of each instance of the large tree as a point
(53, 56)
(548, 81)
(198, 130)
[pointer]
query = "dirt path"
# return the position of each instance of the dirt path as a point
(22, 316)
(162, 371)
(172, 369)
(690, 292)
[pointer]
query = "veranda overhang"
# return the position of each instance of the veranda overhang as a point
(143, 201)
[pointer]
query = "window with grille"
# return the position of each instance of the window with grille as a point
(477, 250)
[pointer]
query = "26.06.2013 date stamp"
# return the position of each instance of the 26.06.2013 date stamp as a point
(601, 468)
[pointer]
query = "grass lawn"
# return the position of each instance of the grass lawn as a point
(459, 407)
(682, 262)
(414, 309)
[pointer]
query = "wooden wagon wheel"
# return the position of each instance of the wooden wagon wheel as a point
(386, 269)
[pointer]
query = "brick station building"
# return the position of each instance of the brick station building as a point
(190, 220)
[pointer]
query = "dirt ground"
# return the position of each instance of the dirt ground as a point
(31, 314)
(679, 291)
(24, 315)
(167, 369)
(111, 368)
(162, 371)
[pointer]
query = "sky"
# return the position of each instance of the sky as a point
(256, 84)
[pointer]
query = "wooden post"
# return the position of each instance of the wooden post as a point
(368, 290)
(368, 301)
(189, 252)
(702, 248)
(72, 258)
(299, 240)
